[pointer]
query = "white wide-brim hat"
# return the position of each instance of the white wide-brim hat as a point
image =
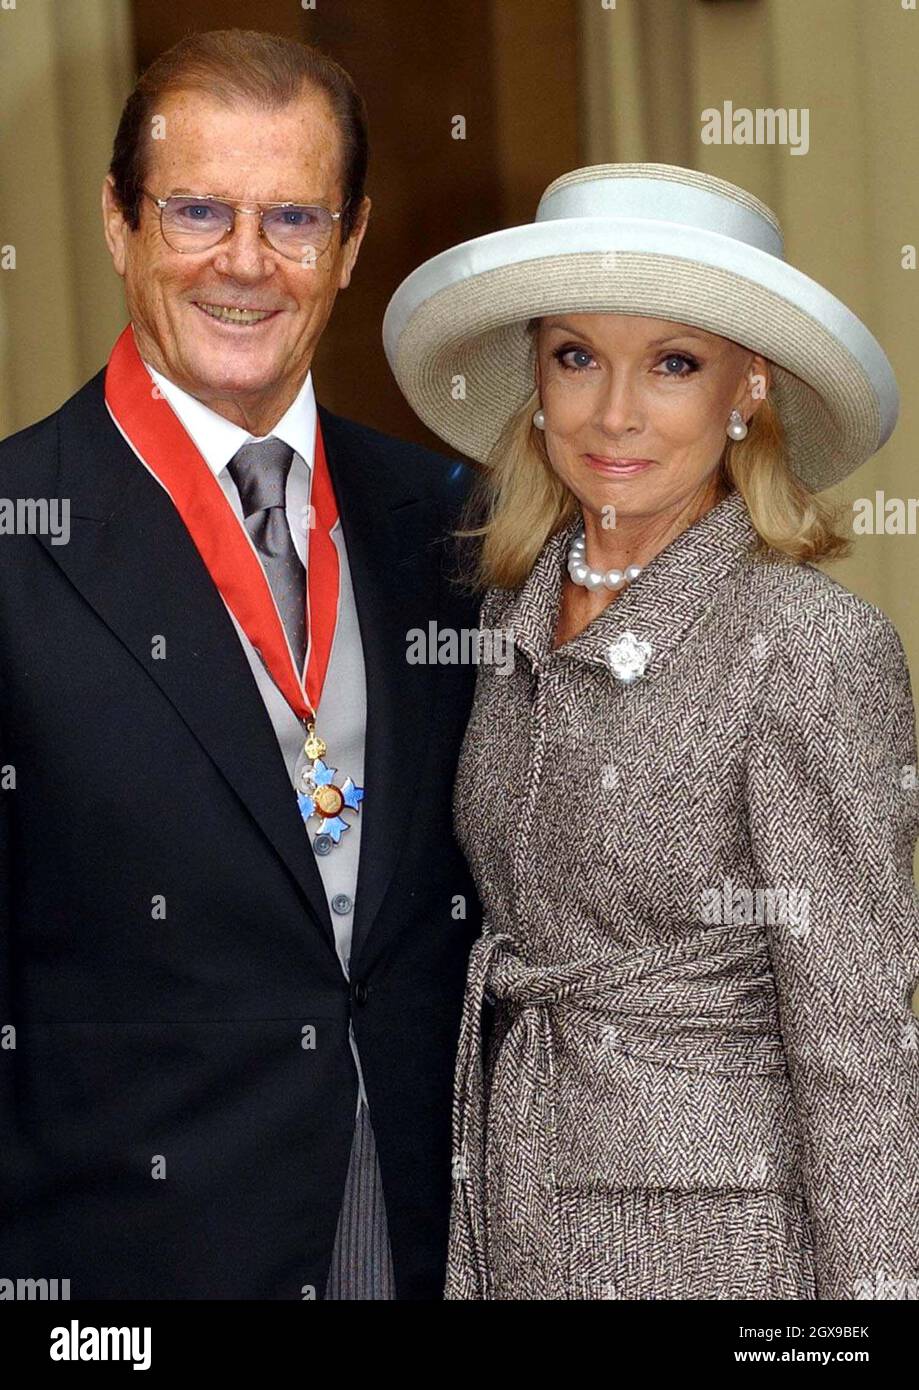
(649, 239)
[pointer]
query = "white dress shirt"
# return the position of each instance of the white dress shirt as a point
(219, 440)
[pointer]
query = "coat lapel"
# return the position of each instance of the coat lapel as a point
(678, 588)
(390, 536)
(131, 557)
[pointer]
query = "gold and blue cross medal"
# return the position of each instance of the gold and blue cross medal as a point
(320, 799)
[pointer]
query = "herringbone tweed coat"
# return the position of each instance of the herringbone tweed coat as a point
(701, 1078)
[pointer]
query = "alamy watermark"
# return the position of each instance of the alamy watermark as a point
(884, 516)
(881, 1286)
(80, 1342)
(465, 646)
(764, 125)
(730, 904)
(36, 516)
(35, 1290)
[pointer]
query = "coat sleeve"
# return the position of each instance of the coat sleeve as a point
(834, 811)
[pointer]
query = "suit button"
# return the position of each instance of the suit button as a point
(341, 903)
(360, 992)
(322, 844)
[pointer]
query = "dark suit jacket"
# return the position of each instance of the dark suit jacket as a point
(170, 1041)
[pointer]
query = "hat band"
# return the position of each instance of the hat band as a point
(661, 200)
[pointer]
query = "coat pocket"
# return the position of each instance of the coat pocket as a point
(623, 1122)
(686, 1245)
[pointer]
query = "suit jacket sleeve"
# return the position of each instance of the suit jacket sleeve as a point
(833, 810)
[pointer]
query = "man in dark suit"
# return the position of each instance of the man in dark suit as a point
(234, 918)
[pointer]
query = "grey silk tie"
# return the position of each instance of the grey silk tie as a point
(260, 471)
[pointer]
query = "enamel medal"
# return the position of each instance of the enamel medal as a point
(320, 798)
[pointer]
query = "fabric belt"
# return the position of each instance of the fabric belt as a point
(703, 1003)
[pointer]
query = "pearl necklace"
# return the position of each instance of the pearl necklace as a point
(581, 572)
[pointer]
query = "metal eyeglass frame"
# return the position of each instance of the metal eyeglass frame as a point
(257, 211)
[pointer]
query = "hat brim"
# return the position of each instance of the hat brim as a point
(455, 330)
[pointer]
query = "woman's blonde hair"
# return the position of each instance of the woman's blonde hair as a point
(518, 501)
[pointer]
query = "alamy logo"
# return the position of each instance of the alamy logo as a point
(467, 646)
(76, 1343)
(884, 516)
(35, 1290)
(36, 516)
(763, 126)
(731, 904)
(880, 1286)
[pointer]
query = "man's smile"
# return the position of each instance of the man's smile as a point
(228, 313)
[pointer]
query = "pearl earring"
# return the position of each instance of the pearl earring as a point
(539, 419)
(737, 428)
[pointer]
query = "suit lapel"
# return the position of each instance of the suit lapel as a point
(131, 557)
(389, 534)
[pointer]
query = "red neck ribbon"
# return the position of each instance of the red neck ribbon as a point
(159, 439)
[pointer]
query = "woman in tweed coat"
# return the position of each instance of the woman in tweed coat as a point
(690, 805)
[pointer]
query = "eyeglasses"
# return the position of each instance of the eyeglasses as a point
(192, 224)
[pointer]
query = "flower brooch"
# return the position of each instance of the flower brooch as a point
(628, 657)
